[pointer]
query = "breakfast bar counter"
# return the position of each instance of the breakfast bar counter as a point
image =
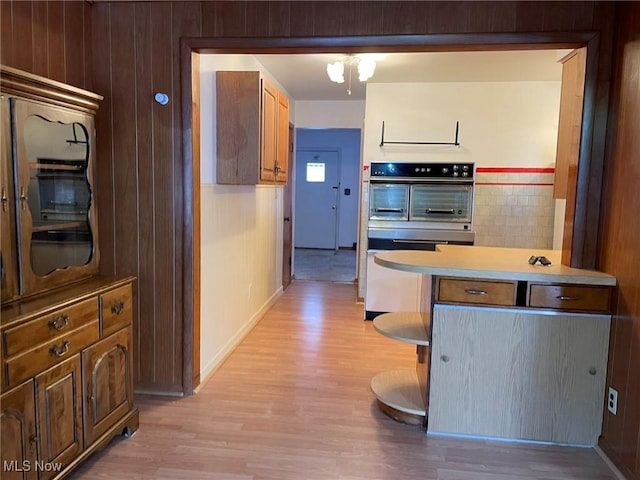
(490, 263)
(510, 350)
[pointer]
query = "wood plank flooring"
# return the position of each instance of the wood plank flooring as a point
(293, 402)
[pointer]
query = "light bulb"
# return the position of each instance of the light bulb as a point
(366, 67)
(336, 72)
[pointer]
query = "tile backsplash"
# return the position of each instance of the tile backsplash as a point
(514, 207)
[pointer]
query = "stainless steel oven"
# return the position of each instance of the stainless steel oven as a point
(413, 206)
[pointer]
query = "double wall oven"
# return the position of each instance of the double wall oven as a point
(413, 206)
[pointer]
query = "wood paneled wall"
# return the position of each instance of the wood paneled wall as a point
(619, 252)
(52, 39)
(136, 52)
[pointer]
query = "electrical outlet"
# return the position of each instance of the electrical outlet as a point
(612, 400)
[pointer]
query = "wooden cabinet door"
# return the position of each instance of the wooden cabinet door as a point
(524, 375)
(55, 196)
(18, 434)
(59, 393)
(238, 132)
(570, 120)
(8, 250)
(269, 132)
(282, 142)
(107, 383)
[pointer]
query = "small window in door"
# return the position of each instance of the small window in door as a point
(315, 172)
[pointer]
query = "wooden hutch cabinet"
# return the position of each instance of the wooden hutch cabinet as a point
(252, 124)
(66, 376)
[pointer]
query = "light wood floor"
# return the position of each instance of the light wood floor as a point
(293, 402)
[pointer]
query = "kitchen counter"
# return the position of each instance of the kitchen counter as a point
(490, 263)
(506, 349)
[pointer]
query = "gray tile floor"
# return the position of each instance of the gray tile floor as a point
(324, 265)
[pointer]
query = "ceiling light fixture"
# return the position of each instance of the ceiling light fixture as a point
(366, 67)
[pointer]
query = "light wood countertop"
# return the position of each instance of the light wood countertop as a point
(490, 263)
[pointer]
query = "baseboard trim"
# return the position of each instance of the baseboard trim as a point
(612, 466)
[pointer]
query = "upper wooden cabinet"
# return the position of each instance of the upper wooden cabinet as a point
(252, 124)
(570, 121)
(49, 217)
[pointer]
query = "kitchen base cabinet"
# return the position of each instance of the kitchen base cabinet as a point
(525, 374)
(68, 383)
(18, 445)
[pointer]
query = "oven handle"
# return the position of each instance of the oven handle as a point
(389, 210)
(428, 242)
(448, 211)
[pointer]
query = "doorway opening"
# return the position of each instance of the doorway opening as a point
(586, 195)
(326, 173)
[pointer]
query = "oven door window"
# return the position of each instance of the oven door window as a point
(389, 202)
(441, 203)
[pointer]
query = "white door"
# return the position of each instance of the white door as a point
(316, 196)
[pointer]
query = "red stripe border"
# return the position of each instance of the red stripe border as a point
(523, 184)
(514, 170)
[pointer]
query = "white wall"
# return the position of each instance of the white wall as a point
(502, 124)
(329, 114)
(241, 237)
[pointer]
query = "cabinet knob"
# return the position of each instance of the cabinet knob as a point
(23, 198)
(444, 358)
(593, 371)
(4, 200)
(33, 439)
(117, 308)
(91, 398)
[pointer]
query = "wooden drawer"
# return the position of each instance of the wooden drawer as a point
(29, 335)
(45, 355)
(486, 292)
(570, 297)
(116, 309)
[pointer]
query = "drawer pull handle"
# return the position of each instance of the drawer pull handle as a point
(59, 323)
(117, 308)
(471, 291)
(59, 350)
(566, 298)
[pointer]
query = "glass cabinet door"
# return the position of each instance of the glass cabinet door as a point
(8, 252)
(55, 202)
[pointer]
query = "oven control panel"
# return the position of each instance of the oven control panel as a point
(390, 170)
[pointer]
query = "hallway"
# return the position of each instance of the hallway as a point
(293, 402)
(324, 265)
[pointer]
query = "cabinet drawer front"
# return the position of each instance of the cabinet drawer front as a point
(116, 309)
(24, 337)
(570, 297)
(476, 291)
(48, 354)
